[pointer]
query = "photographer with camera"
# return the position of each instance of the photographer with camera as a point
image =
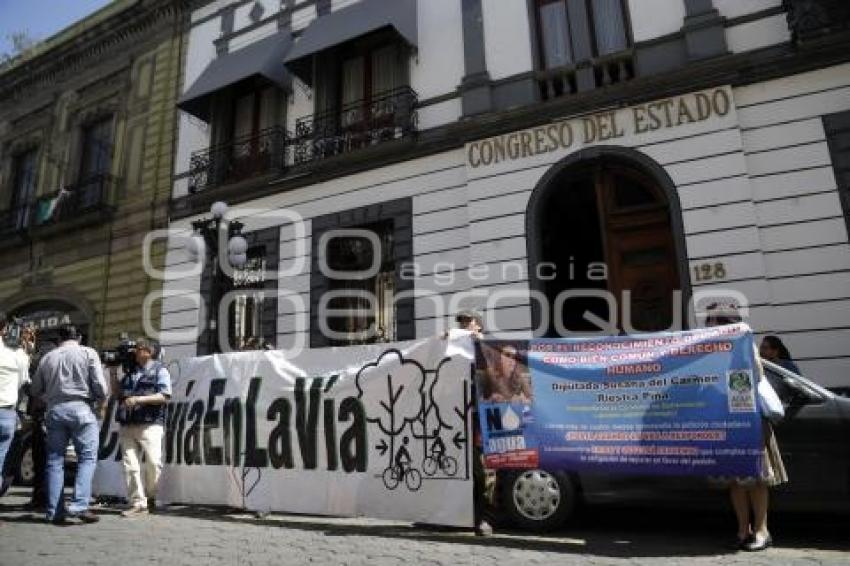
(69, 379)
(143, 392)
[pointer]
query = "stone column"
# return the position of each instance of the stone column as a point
(476, 95)
(705, 35)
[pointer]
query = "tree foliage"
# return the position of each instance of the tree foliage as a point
(19, 42)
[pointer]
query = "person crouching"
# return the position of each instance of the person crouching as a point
(143, 393)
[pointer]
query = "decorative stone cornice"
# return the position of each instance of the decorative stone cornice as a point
(89, 46)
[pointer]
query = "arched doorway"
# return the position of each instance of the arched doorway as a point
(47, 315)
(606, 222)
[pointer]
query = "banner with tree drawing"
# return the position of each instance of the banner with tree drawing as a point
(380, 431)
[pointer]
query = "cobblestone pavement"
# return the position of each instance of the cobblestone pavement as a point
(205, 536)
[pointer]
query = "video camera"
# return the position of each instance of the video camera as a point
(123, 355)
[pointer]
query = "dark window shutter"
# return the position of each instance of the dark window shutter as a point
(837, 127)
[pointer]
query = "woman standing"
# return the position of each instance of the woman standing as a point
(750, 496)
(774, 350)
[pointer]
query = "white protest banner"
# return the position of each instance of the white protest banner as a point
(380, 431)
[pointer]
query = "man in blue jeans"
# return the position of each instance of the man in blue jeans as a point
(70, 380)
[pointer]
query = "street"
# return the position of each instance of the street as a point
(208, 536)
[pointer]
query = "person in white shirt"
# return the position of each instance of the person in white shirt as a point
(14, 373)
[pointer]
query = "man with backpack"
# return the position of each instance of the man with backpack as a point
(143, 394)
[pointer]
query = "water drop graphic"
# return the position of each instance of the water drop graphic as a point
(510, 420)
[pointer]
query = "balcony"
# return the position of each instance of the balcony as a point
(238, 160)
(599, 73)
(73, 205)
(809, 19)
(90, 195)
(389, 116)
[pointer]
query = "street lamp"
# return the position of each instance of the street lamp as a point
(208, 234)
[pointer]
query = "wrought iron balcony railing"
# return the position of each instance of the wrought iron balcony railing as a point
(89, 195)
(239, 159)
(809, 19)
(387, 116)
(607, 70)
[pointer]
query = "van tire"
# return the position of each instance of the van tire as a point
(537, 500)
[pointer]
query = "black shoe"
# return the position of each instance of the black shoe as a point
(740, 543)
(86, 517)
(61, 521)
(757, 545)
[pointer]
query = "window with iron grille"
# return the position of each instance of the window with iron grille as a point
(252, 315)
(358, 296)
(582, 33)
(362, 98)
(246, 311)
(247, 136)
(370, 316)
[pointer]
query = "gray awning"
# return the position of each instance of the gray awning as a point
(262, 58)
(349, 23)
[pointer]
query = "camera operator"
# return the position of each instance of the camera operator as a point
(143, 392)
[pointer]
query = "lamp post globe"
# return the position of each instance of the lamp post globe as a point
(238, 260)
(195, 247)
(218, 209)
(237, 245)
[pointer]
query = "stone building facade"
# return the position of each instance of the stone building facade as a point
(500, 150)
(86, 141)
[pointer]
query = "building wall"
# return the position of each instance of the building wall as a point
(436, 69)
(437, 186)
(98, 266)
(756, 190)
(801, 226)
(756, 187)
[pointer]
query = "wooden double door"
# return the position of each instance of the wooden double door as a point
(617, 217)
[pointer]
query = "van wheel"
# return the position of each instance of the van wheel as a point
(537, 500)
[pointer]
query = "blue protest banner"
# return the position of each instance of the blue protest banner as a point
(680, 403)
